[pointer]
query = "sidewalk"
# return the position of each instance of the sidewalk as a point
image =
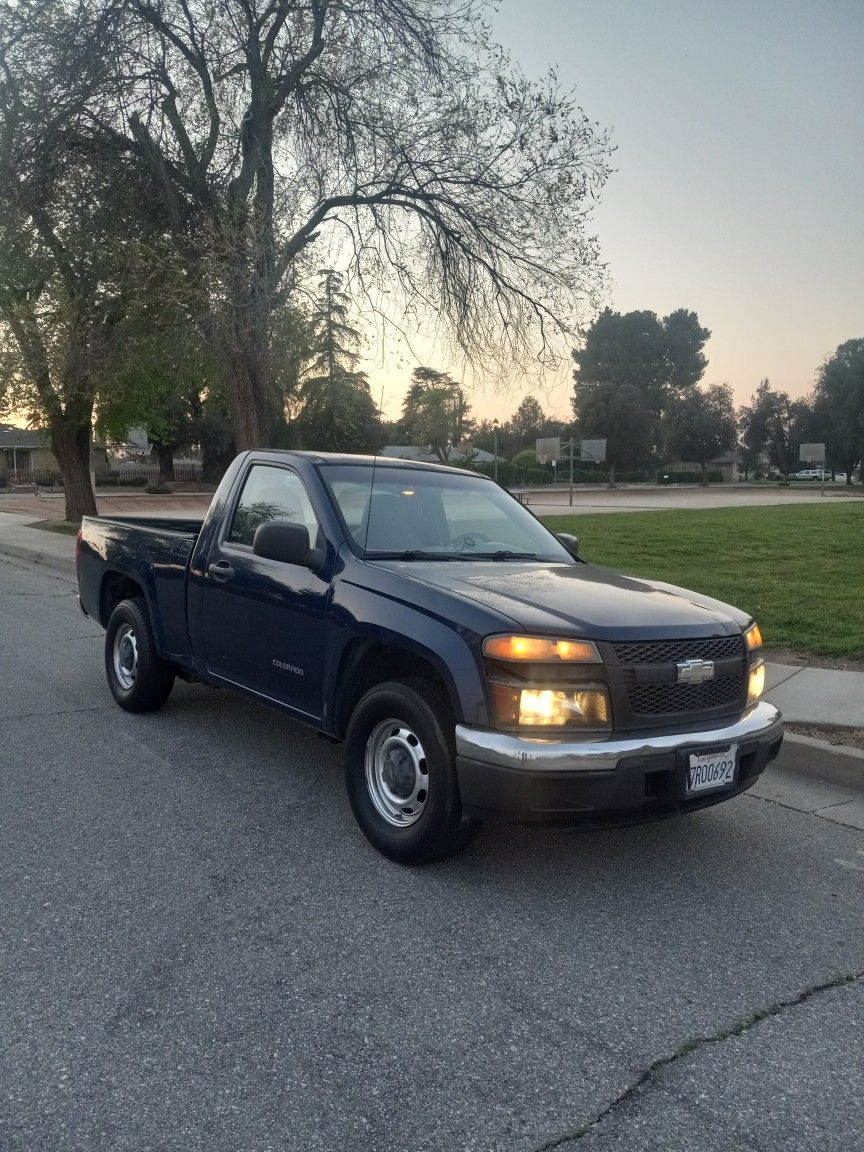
(804, 695)
(109, 501)
(52, 549)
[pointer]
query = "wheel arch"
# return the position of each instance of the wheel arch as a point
(114, 587)
(367, 661)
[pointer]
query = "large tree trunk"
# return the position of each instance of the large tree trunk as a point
(249, 390)
(249, 393)
(611, 480)
(704, 468)
(70, 443)
(165, 456)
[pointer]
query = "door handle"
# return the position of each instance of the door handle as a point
(221, 570)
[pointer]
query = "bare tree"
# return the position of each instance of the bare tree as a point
(393, 125)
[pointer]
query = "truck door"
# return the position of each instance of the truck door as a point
(263, 620)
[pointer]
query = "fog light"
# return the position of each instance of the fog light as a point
(550, 707)
(756, 683)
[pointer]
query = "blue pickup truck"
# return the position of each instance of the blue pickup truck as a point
(474, 666)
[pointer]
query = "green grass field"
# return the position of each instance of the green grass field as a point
(799, 571)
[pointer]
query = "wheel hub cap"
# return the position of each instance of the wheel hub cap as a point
(125, 656)
(397, 775)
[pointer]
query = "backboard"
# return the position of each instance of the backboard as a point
(548, 448)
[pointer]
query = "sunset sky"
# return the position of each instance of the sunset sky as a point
(739, 177)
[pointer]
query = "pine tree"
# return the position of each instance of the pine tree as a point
(338, 413)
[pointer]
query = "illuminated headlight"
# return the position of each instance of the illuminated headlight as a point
(753, 637)
(756, 682)
(556, 707)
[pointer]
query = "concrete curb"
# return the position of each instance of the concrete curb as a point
(819, 760)
(59, 565)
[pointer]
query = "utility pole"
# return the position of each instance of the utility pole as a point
(495, 426)
(571, 471)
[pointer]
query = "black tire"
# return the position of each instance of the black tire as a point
(419, 710)
(141, 684)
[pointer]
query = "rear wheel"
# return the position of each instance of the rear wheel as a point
(401, 776)
(139, 679)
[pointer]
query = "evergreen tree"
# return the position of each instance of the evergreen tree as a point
(338, 413)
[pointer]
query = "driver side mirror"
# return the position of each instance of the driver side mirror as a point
(570, 542)
(288, 543)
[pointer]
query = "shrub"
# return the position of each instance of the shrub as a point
(713, 477)
(47, 478)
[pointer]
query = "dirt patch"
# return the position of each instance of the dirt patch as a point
(64, 527)
(789, 656)
(851, 737)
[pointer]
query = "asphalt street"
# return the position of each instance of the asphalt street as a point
(200, 951)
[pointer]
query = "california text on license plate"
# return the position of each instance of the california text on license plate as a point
(714, 769)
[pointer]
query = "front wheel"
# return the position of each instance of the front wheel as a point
(139, 679)
(400, 773)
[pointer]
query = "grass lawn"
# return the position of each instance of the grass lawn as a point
(64, 527)
(799, 571)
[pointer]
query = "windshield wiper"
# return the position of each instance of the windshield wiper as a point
(501, 554)
(410, 554)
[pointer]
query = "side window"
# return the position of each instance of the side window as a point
(271, 494)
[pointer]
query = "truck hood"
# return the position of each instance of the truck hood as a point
(579, 598)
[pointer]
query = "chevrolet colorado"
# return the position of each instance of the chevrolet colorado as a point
(473, 664)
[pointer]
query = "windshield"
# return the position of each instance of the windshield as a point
(420, 514)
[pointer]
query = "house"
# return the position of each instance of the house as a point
(25, 455)
(727, 465)
(458, 454)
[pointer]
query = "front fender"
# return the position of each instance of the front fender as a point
(363, 615)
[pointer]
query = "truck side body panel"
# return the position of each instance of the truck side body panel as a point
(155, 558)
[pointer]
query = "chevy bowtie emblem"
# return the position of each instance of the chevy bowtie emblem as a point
(695, 671)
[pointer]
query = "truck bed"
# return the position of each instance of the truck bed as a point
(174, 524)
(150, 552)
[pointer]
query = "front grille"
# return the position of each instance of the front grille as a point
(672, 651)
(657, 699)
(656, 692)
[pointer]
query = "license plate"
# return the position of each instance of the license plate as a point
(709, 770)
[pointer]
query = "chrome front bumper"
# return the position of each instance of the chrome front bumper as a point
(534, 754)
(532, 779)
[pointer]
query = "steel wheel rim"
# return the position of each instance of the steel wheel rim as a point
(397, 775)
(125, 656)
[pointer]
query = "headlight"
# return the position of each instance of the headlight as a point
(540, 650)
(756, 682)
(552, 707)
(753, 637)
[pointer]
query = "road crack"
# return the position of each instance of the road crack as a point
(651, 1072)
(41, 715)
(6, 594)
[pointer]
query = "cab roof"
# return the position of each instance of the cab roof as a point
(358, 461)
